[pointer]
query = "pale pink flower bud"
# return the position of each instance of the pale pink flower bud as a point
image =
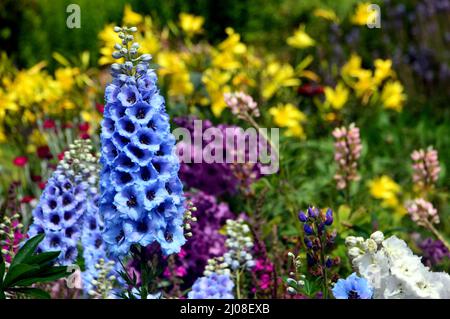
(425, 167)
(241, 103)
(422, 212)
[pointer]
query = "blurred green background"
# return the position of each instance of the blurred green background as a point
(40, 34)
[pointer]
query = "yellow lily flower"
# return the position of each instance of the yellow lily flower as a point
(290, 117)
(337, 97)
(326, 14)
(364, 14)
(131, 18)
(277, 75)
(191, 24)
(393, 96)
(383, 70)
(300, 39)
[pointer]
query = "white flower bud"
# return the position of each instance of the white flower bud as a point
(378, 237)
(354, 252)
(350, 241)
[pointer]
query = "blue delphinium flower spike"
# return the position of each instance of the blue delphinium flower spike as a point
(94, 248)
(214, 286)
(141, 195)
(62, 205)
(353, 287)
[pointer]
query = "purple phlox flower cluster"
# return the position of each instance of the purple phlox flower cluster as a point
(206, 241)
(347, 152)
(426, 167)
(241, 105)
(318, 239)
(216, 178)
(433, 252)
(214, 286)
(141, 194)
(263, 270)
(422, 212)
(63, 203)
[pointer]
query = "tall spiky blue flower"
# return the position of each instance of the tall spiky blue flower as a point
(62, 205)
(214, 286)
(95, 251)
(141, 194)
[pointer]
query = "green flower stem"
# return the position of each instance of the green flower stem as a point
(436, 233)
(238, 284)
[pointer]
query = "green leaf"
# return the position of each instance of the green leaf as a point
(2, 270)
(43, 258)
(61, 59)
(27, 250)
(49, 275)
(18, 272)
(33, 292)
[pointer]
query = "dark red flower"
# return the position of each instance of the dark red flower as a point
(84, 136)
(44, 152)
(26, 199)
(49, 123)
(83, 127)
(42, 185)
(20, 161)
(100, 107)
(310, 90)
(61, 156)
(36, 178)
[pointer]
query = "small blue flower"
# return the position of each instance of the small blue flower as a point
(111, 92)
(353, 287)
(329, 217)
(313, 212)
(308, 229)
(302, 217)
(130, 202)
(141, 113)
(128, 95)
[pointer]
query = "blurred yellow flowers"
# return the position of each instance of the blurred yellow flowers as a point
(393, 96)
(109, 38)
(383, 70)
(290, 117)
(131, 18)
(326, 14)
(191, 24)
(364, 14)
(277, 75)
(337, 97)
(300, 39)
(172, 64)
(387, 190)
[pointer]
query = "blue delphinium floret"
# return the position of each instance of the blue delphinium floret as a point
(353, 287)
(62, 204)
(214, 286)
(94, 247)
(141, 194)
